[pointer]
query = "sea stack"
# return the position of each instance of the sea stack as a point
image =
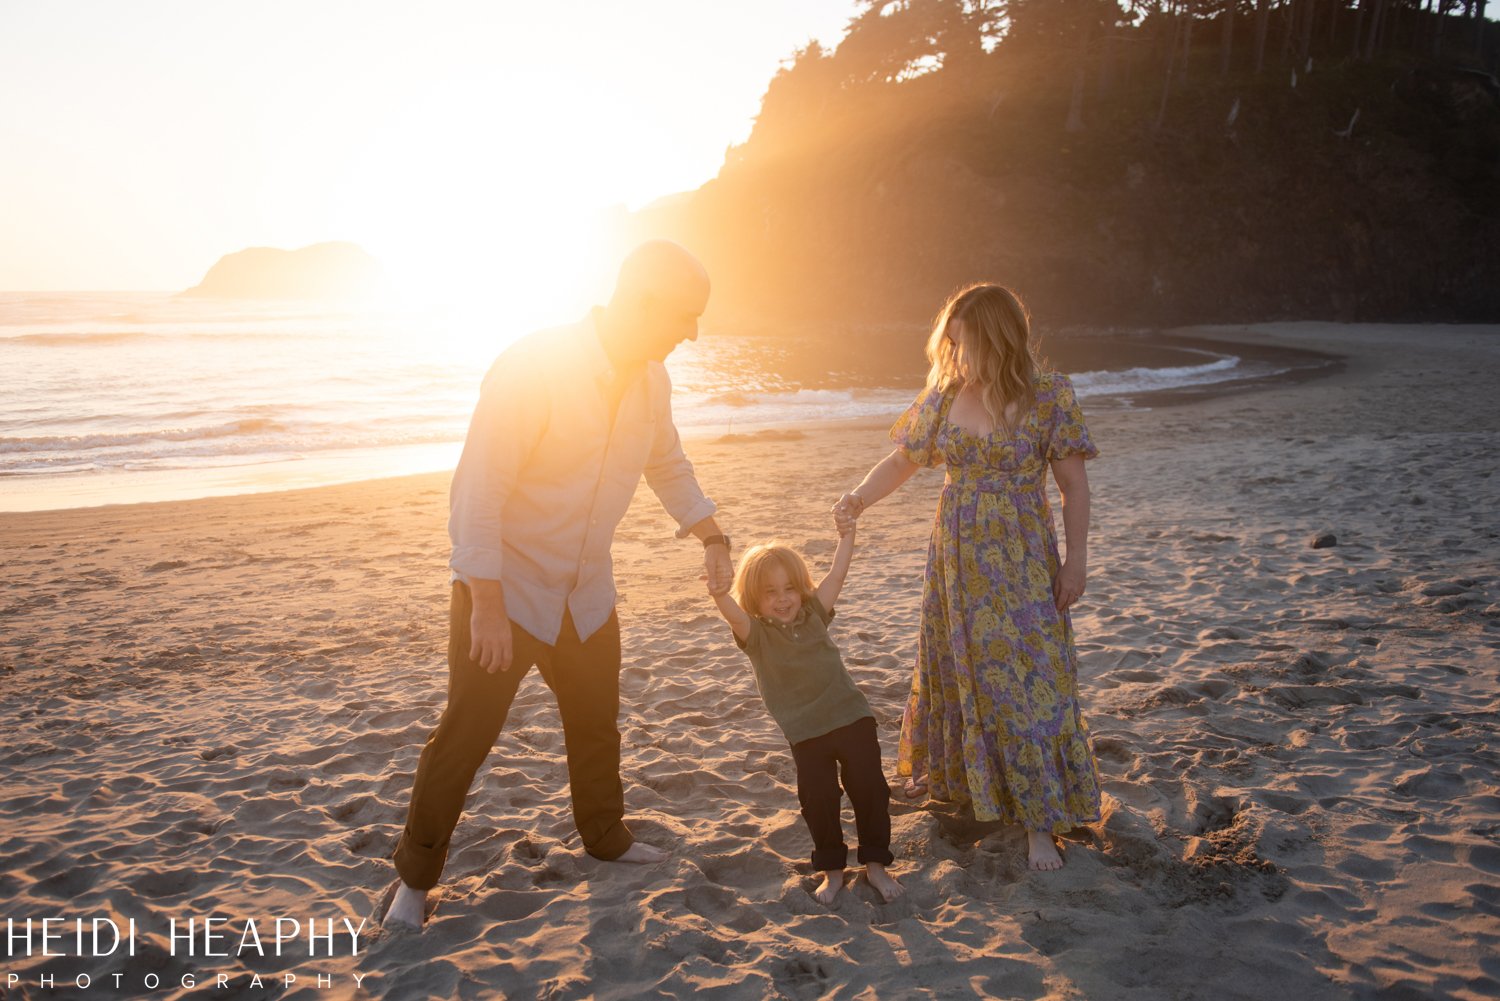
(339, 272)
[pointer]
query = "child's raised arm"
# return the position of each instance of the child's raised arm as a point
(833, 583)
(734, 615)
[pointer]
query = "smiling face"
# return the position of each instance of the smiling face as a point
(772, 582)
(779, 599)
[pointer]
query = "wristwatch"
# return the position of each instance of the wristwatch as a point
(722, 540)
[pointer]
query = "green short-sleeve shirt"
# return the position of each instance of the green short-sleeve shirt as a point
(801, 675)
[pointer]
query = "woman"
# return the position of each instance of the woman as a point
(993, 718)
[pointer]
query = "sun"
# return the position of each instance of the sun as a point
(486, 208)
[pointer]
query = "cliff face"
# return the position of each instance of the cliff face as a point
(339, 272)
(1110, 192)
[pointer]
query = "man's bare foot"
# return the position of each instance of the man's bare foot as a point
(408, 907)
(883, 881)
(833, 882)
(1041, 852)
(642, 854)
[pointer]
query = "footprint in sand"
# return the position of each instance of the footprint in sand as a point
(1113, 749)
(745, 869)
(1050, 937)
(361, 839)
(1216, 813)
(1282, 802)
(513, 905)
(1307, 696)
(1211, 688)
(803, 978)
(722, 907)
(1434, 783)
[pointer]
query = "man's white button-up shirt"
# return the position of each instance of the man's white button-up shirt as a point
(547, 473)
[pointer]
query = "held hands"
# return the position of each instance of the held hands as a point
(718, 569)
(847, 511)
(1068, 585)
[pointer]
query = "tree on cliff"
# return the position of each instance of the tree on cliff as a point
(1123, 161)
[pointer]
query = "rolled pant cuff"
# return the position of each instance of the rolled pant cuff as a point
(418, 866)
(880, 856)
(616, 842)
(824, 859)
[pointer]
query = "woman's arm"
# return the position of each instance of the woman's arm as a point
(886, 475)
(833, 583)
(734, 615)
(1073, 483)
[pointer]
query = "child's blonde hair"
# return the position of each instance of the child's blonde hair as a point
(755, 566)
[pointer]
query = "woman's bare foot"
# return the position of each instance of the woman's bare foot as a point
(642, 854)
(883, 881)
(408, 907)
(833, 882)
(915, 786)
(1041, 852)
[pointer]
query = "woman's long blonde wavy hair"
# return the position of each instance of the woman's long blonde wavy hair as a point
(994, 351)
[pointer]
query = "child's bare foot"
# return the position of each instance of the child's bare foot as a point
(407, 907)
(642, 854)
(833, 882)
(883, 881)
(1041, 852)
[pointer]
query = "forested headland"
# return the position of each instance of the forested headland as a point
(1175, 161)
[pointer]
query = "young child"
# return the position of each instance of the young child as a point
(781, 622)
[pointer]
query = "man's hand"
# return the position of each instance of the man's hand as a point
(718, 569)
(1067, 586)
(490, 643)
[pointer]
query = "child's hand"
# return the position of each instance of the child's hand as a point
(718, 570)
(714, 588)
(847, 511)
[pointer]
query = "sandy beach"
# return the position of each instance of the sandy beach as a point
(214, 708)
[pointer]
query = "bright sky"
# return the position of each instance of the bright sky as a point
(456, 140)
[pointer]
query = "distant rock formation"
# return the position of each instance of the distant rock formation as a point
(323, 271)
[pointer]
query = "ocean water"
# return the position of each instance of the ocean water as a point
(116, 397)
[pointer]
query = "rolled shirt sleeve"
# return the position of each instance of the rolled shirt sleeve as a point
(668, 471)
(507, 424)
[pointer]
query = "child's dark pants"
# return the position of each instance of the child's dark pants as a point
(855, 750)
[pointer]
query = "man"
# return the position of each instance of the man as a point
(568, 421)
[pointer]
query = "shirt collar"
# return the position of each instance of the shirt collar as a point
(799, 619)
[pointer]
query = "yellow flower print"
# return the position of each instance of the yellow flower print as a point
(993, 662)
(1015, 548)
(986, 622)
(1043, 696)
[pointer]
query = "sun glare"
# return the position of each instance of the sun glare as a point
(488, 208)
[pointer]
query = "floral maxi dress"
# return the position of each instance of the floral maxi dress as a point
(993, 717)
